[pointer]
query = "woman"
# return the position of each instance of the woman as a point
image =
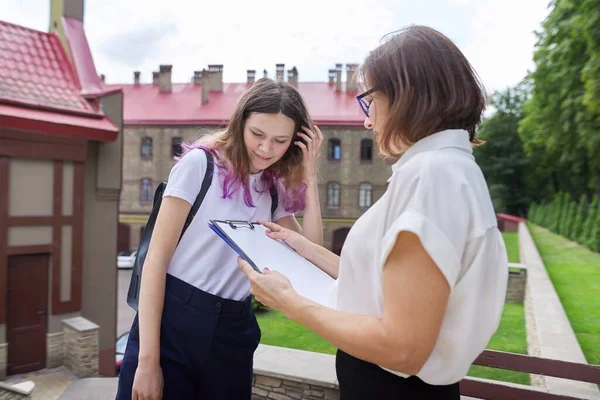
(195, 334)
(422, 276)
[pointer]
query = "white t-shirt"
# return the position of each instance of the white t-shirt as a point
(202, 259)
(437, 192)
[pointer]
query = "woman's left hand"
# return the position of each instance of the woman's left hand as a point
(270, 288)
(310, 151)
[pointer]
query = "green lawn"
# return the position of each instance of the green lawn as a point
(277, 330)
(511, 337)
(575, 273)
(511, 240)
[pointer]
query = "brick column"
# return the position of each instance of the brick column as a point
(54, 349)
(3, 359)
(81, 346)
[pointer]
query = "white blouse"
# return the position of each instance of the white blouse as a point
(438, 192)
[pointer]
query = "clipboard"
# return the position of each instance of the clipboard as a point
(250, 242)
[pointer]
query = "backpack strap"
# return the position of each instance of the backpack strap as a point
(274, 199)
(206, 182)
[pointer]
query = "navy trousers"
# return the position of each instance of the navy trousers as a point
(361, 380)
(207, 345)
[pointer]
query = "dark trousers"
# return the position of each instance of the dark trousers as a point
(361, 380)
(207, 345)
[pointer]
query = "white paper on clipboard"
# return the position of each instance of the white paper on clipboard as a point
(252, 243)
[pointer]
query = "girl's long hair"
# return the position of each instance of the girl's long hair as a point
(231, 156)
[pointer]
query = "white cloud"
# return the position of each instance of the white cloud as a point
(496, 35)
(502, 39)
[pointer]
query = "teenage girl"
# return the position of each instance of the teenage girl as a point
(195, 334)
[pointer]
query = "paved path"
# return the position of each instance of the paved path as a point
(552, 331)
(91, 389)
(49, 383)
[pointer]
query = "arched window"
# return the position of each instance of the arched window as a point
(366, 150)
(333, 194)
(334, 149)
(146, 148)
(365, 195)
(146, 190)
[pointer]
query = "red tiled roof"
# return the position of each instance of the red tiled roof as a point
(35, 73)
(67, 124)
(145, 105)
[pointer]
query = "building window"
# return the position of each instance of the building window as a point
(333, 195)
(365, 195)
(146, 148)
(366, 150)
(334, 150)
(146, 190)
(176, 146)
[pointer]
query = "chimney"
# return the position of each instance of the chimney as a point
(136, 77)
(279, 71)
(155, 76)
(64, 8)
(164, 78)
(103, 78)
(338, 77)
(351, 78)
(265, 74)
(331, 76)
(250, 76)
(293, 77)
(204, 81)
(215, 77)
(197, 78)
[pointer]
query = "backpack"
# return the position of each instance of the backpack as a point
(133, 294)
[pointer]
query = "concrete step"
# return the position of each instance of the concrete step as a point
(21, 390)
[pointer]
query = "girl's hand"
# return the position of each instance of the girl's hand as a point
(293, 239)
(310, 151)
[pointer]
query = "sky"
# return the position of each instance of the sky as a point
(497, 36)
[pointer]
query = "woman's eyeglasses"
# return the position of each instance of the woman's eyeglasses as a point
(363, 104)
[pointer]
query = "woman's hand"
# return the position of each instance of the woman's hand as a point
(148, 382)
(270, 288)
(310, 152)
(293, 239)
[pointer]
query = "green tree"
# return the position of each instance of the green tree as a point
(593, 242)
(577, 227)
(589, 219)
(570, 219)
(560, 125)
(502, 158)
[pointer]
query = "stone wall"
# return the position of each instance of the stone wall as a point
(54, 349)
(517, 280)
(81, 346)
(265, 388)
(289, 374)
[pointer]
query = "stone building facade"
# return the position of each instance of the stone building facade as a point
(352, 175)
(340, 205)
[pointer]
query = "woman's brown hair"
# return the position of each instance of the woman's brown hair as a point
(429, 84)
(265, 96)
